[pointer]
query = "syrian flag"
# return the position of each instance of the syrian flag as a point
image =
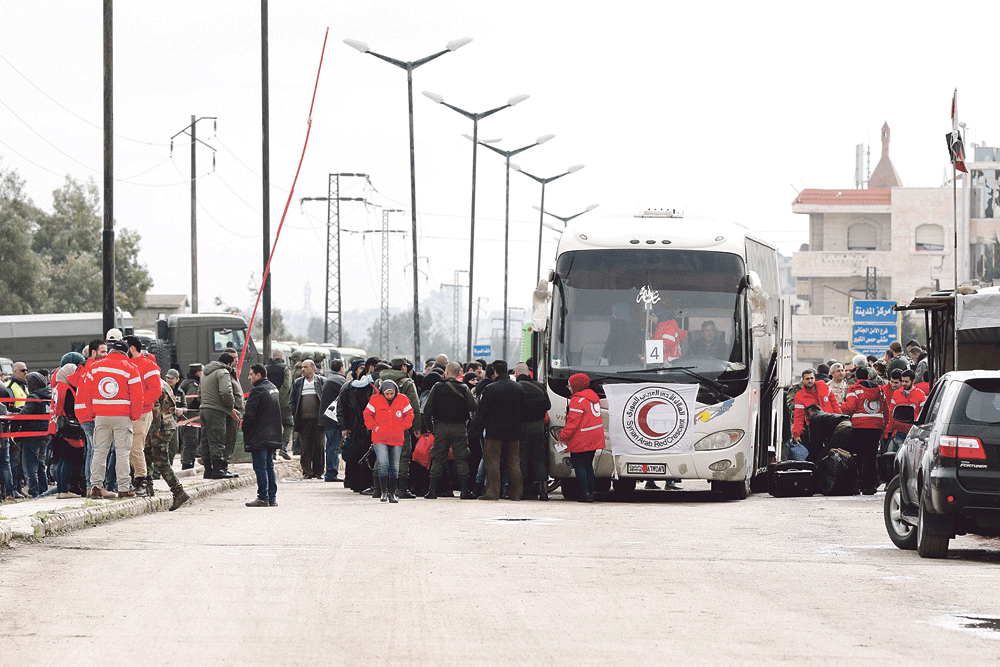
(956, 149)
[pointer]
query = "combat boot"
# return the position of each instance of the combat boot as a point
(384, 484)
(402, 491)
(148, 483)
(543, 491)
(432, 489)
(392, 490)
(466, 494)
(180, 497)
(223, 465)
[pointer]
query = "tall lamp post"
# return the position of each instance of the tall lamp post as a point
(476, 117)
(565, 220)
(506, 219)
(409, 66)
(541, 217)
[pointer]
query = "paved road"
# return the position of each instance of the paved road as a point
(329, 577)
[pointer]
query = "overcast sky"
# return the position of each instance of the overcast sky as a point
(722, 109)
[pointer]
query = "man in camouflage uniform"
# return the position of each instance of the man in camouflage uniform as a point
(161, 430)
(233, 423)
(191, 433)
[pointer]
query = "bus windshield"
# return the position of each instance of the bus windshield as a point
(608, 303)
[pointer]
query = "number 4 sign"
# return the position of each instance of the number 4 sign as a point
(654, 351)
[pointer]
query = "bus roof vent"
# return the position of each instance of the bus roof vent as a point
(661, 213)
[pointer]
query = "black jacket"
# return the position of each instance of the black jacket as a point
(350, 410)
(536, 400)
(500, 410)
(262, 418)
(450, 402)
(293, 400)
(331, 392)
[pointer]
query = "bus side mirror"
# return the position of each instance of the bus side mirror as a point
(903, 414)
(540, 306)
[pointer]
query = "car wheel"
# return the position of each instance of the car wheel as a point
(902, 534)
(732, 490)
(929, 545)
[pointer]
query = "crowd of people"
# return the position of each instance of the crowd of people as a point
(861, 394)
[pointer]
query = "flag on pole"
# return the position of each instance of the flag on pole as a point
(956, 149)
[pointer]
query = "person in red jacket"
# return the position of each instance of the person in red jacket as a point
(866, 404)
(113, 392)
(150, 372)
(387, 416)
(907, 394)
(584, 433)
(811, 393)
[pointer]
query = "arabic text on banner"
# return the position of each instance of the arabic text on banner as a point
(651, 418)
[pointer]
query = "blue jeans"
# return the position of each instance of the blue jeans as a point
(583, 465)
(88, 431)
(387, 459)
(333, 436)
(6, 477)
(263, 467)
(33, 461)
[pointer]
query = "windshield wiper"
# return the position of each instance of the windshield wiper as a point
(719, 388)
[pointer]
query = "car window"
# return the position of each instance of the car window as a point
(978, 403)
(933, 406)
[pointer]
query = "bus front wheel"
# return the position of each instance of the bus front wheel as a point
(739, 490)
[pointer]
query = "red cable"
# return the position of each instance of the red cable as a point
(267, 269)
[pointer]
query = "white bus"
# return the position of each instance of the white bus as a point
(658, 298)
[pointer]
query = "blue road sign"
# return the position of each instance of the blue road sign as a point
(482, 350)
(873, 338)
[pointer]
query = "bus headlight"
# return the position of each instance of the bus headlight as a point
(719, 440)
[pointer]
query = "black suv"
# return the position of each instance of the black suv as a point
(947, 479)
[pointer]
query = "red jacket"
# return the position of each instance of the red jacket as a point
(866, 404)
(584, 430)
(150, 372)
(915, 397)
(819, 395)
(672, 337)
(112, 388)
(388, 422)
(82, 409)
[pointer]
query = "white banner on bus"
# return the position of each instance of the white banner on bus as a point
(649, 418)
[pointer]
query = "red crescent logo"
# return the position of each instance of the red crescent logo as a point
(642, 420)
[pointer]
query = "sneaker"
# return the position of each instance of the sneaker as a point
(272, 503)
(101, 494)
(66, 496)
(257, 502)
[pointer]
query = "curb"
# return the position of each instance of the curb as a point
(33, 529)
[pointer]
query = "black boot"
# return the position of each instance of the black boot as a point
(466, 494)
(402, 491)
(543, 491)
(384, 483)
(432, 489)
(377, 487)
(392, 490)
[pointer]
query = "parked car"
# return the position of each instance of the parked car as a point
(947, 479)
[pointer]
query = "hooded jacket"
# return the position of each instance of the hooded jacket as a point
(216, 389)
(111, 387)
(388, 421)
(408, 387)
(39, 402)
(150, 372)
(865, 403)
(914, 397)
(584, 430)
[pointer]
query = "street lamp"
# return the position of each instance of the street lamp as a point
(476, 117)
(541, 217)
(565, 220)
(409, 66)
(506, 217)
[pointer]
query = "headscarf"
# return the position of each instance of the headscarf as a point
(389, 385)
(35, 381)
(65, 372)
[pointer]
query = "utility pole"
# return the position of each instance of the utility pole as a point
(266, 178)
(457, 287)
(384, 317)
(191, 130)
(332, 314)
(108, 249)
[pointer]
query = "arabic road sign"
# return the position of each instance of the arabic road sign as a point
(874, 325)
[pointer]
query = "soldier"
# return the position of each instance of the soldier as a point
(190, 433)
(162, 427)
(233, 422)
